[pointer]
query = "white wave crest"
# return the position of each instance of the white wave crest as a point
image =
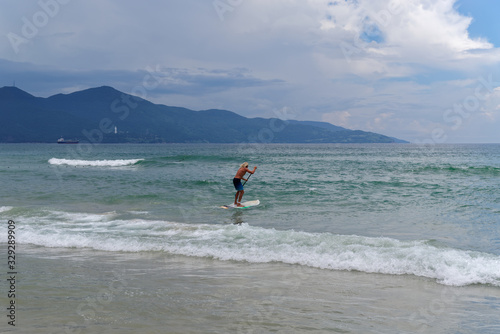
(94, 163)
(5, 208)
(448, 266)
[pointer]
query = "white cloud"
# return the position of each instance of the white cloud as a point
(397, 37)
(405, 24)
(340, 118)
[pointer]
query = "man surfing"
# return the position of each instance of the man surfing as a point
(237, 182)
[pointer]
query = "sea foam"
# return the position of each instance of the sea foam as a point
(382, 255)
(94, 163)
(5, 208)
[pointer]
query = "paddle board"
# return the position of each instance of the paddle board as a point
(248, 204)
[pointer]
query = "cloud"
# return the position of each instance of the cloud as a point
(340, 118)
(400, 26)
(380, 39)
(381, 65)
(202, 81)
(164, 85)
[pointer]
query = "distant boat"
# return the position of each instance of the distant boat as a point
(63, 141)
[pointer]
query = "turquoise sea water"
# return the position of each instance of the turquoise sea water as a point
(347, 238)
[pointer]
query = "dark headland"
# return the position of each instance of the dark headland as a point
(106, 115)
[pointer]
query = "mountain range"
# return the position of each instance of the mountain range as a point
(106, 115)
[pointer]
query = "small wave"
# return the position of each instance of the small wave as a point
(5, 208)
(95, 163)
(382, 255)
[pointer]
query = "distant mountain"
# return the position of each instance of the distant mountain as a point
(106, 115)
(323, 125)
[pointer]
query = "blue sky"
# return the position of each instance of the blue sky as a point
(485, 21)
(422, 70)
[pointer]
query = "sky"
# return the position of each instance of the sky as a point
(426, 71)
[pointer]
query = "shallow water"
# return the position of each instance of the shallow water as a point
(347, 238)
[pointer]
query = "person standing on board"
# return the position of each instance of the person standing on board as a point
(237, 182)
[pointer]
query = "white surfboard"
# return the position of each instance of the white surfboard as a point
(248, 204)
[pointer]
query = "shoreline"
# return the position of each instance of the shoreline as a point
(80, 290)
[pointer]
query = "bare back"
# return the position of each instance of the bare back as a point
(241, 172)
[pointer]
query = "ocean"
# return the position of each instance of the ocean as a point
(366, 238)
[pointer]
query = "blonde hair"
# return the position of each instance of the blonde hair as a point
(245, 164)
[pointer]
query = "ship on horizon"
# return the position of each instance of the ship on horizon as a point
(64, 141)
